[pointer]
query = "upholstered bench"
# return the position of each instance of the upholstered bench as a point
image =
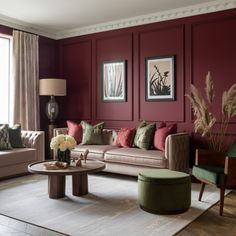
(164, 191)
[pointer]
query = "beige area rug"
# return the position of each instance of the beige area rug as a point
(109, 209)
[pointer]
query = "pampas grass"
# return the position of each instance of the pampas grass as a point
(205, 121)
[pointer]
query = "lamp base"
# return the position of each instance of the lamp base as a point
(52, 109)
(51, 127)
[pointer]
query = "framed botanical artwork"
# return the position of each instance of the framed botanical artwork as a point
(160, 78)
(114, 81)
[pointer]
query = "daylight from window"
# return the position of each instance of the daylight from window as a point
(4, 79)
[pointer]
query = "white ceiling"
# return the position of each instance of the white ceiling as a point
(65, 18)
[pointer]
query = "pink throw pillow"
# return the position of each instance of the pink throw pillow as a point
(125, 137)
(161, 134)
(161, 125)
(75, 130)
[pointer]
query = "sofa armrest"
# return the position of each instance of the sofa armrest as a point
(57, 131)
(177, 151)
(35, 139)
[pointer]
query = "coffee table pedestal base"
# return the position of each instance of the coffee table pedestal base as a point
(56, 186)
(80, 184)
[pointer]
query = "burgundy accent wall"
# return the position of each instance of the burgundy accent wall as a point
(77, 70)
(200, 44)
(47, 68)
(162, 41)
(106, 51)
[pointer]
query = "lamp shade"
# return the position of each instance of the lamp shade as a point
(52, 87)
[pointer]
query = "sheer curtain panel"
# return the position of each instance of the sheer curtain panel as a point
(25, 77)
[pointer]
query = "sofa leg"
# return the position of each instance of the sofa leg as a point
(201, 191)
(222, 198)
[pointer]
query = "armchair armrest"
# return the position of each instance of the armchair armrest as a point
(177, 151)
(35, 139)
(230, 171)
(207, 157)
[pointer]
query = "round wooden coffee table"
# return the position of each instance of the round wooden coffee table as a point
(57, 180)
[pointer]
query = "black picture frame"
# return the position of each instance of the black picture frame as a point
(160, 78)
(114, 81)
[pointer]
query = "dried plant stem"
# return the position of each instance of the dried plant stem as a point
(205, 120)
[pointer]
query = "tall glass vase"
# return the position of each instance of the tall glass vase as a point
(63, 156)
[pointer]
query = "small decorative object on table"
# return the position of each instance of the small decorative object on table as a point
(78, 161)
(63, 144)
(56, 165)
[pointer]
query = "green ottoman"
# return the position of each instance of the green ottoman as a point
(164, 191)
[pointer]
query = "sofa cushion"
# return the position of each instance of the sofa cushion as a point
(15, 136)
(125, 137)
(4, 138)
(144, 135)
(17, 156)
(161, 134)
(136, 156)
(75, 130)
(92, 134)
(95, 151)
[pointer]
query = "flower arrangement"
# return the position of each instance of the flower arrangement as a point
(63, 142)
(205, 121)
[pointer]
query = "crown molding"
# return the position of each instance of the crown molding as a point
(20, 25)
(209, 7)
(214, 6)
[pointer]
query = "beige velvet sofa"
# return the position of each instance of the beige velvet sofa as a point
(15, 161)
(131, 161)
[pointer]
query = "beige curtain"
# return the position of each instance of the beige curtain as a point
(25, 80)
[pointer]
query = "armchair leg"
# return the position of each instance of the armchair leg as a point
(201, 191)
(222, 198)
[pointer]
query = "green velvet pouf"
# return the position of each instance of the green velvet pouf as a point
(164, 191)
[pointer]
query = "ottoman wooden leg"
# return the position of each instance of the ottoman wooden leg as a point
(56, 186)
(80, 184)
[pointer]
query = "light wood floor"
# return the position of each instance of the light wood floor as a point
(209, 223)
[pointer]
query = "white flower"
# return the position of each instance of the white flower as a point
(63, 142)
(54, 144)
(63, 146)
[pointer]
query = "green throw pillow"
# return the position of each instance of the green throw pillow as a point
(92, 134)
(15, 136)
(4, 138)
(142, 124)
(144, 135)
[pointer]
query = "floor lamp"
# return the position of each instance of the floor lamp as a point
(52, 87)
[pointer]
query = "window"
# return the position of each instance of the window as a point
(5, 79)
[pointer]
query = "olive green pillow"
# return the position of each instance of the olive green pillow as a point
(92, 134)
(15, 136)
(4, 138)
(144, 135)
(142, 124)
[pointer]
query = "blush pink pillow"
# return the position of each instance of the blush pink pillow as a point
(75, 130)
(125, 137)
(161, 134)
